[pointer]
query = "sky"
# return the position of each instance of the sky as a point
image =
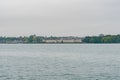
(59, 17)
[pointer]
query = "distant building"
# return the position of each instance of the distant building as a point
(64, 40)
(49, 41)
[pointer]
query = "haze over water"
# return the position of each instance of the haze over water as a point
(59, 61)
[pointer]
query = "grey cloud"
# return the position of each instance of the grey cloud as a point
(59, 17)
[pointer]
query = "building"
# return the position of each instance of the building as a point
(64, 40)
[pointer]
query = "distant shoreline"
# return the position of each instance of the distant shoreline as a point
(33, 39)
(59, 43)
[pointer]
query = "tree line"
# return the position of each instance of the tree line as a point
(30, 39)
(102, 39)
(40, 39)
(25, 39)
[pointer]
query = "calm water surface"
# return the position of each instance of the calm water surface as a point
(59, 61)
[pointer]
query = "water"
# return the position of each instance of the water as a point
(60, 62)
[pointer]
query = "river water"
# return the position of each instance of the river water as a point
(59, 61)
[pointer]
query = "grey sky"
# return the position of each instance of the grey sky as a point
(59, 17)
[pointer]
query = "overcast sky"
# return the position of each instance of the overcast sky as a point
(59, 17)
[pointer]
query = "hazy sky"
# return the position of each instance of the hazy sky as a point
(59, 17)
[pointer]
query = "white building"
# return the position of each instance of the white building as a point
(64, 41)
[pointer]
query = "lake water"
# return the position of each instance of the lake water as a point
(59, 61)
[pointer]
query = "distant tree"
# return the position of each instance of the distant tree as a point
(102, 39)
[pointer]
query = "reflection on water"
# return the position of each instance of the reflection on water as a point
(60, 62)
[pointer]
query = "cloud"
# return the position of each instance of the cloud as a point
(59, 17)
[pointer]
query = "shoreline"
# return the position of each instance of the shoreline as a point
(59, 43)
